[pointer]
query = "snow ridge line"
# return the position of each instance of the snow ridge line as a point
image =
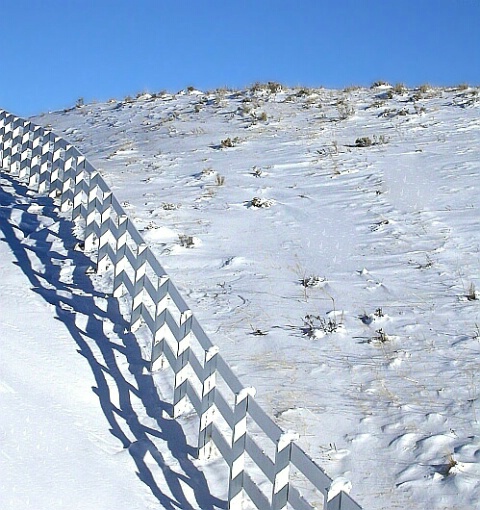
(201, 377)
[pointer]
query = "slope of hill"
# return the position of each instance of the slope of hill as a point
(327, 242)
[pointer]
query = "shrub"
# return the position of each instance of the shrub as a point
(271, 86)
(186, 241)
(228, 142)
(207, 171)
(261, 203)
(274, 87)
(168, 206)
(424, 88)
(311, 281)
(313, 324)
(399, 88)
(345, 110)
(351, 88)
(472, 294)
(380, 140)
(381, 337)
(379, 83)
(364, 141)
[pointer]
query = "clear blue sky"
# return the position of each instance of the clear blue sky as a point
(55, 51)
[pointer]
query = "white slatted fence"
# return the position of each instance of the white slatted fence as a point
(227, 411)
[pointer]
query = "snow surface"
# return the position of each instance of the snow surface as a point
(338, 280)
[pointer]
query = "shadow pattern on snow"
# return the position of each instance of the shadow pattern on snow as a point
(77, 297)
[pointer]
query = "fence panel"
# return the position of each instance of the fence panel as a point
(226, 409)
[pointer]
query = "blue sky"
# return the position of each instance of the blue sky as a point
(55, 51)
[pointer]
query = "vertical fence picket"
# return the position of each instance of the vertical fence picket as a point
(121, 244)
(157, 357)
(66, 187)
(138, 282)
(78, 188)
(283, 454)
(92, 211)
(34, 170)
(237, 461)
(207, 411)
(8, 142)
(46, 160)
(3, 115)
(27, 147)
(104, 233)
(58, 165)
(17, 147)
(182, 353)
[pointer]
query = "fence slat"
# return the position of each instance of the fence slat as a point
(310, 470)
(254, 493)
(223, 408)
(222, 444)
(260, 417)
(260, 458)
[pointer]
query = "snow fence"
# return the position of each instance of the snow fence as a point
(230, 421)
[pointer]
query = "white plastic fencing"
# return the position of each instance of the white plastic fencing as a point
(230, 419)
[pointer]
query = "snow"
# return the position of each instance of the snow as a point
(339, 281)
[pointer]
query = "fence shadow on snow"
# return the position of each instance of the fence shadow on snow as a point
(264, 463)
(79, 298)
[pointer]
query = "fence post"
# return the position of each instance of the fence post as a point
(69, 170)
(91, 212)
(8, 141)
(34, 169)
(58, 166)
(237, 461)
(138, 282)
(158, 339)
(119, 266)
(17, 146)
(3, 117)
(104, 232)
(281, 482)
(46, 159)
(30, 135)
(78, 188)
(207, 411)
(181, 364)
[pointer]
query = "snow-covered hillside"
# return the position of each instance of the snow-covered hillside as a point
(328, 242)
